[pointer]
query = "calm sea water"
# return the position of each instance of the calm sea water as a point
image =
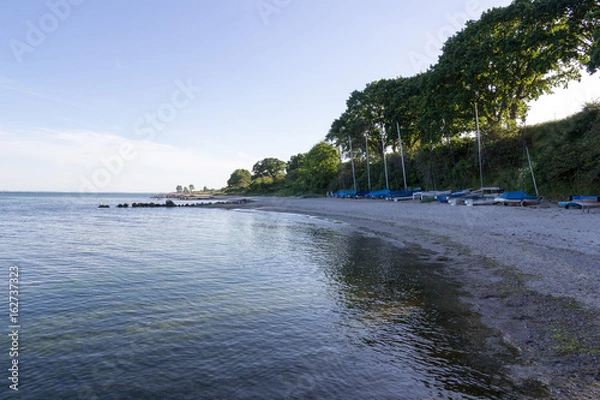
(193, 303)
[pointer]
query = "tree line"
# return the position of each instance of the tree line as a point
(491, 69)
(310, 172)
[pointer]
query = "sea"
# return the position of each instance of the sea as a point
(204, 303)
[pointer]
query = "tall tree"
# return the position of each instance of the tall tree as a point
(511, 56)
(315, 170)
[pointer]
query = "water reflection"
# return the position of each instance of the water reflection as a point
(396, 302)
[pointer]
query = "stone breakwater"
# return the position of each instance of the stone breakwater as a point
(171, 204)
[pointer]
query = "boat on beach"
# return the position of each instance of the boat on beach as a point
(521, 197)
(344, 193)
(430, 194)
(361, 194)
(480, 201)
(581, 201)
(454, 195)
(399, 195)
(518, 198)
(484, 196)
(378, 194)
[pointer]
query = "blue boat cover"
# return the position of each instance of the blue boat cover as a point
(444, 198)
(345, 193)
(362, 193)
(379, 194)
(520, 195)
(401, 193)
(583, 197)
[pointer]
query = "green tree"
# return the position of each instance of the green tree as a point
(263, 184)
(240, 179)
(179, 189)
(319, 167)
(509, 57)
(294, 178)
(269, 167)
(592, 19)
(192, 188)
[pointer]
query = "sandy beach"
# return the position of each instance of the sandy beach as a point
(532, 274)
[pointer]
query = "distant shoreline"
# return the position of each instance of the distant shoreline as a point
(184, 196)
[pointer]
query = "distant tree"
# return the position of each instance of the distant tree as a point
(294, 177)
(192, 188)
(239, 179)
(179, 189)
(269, 167)
(320, 167)
(186, 190)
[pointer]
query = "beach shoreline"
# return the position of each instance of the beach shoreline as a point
(531, 273)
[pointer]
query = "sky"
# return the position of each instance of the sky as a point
(145, 95)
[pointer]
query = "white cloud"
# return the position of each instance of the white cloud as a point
(50, 160)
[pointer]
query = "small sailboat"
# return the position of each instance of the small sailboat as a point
(521, 197)
(518, 198)
(379, 194)
(454, 195)
(344, 193)
(406, 193)
(430, 195)
(484, 197)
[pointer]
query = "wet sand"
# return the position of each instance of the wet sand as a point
(532, 274)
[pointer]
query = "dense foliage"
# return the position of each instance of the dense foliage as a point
(567, 154)
(484, 79)
(239, 180)
(310, 172)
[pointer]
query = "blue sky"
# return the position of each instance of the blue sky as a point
(143, 95)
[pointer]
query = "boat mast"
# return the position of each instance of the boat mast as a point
(368, 167)
(352, 161)
(531, 169)
(478, 140)
(387, 181)
(537, 193)
(401, 156)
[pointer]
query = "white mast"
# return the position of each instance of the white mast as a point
(478, 141)
(402, 157)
